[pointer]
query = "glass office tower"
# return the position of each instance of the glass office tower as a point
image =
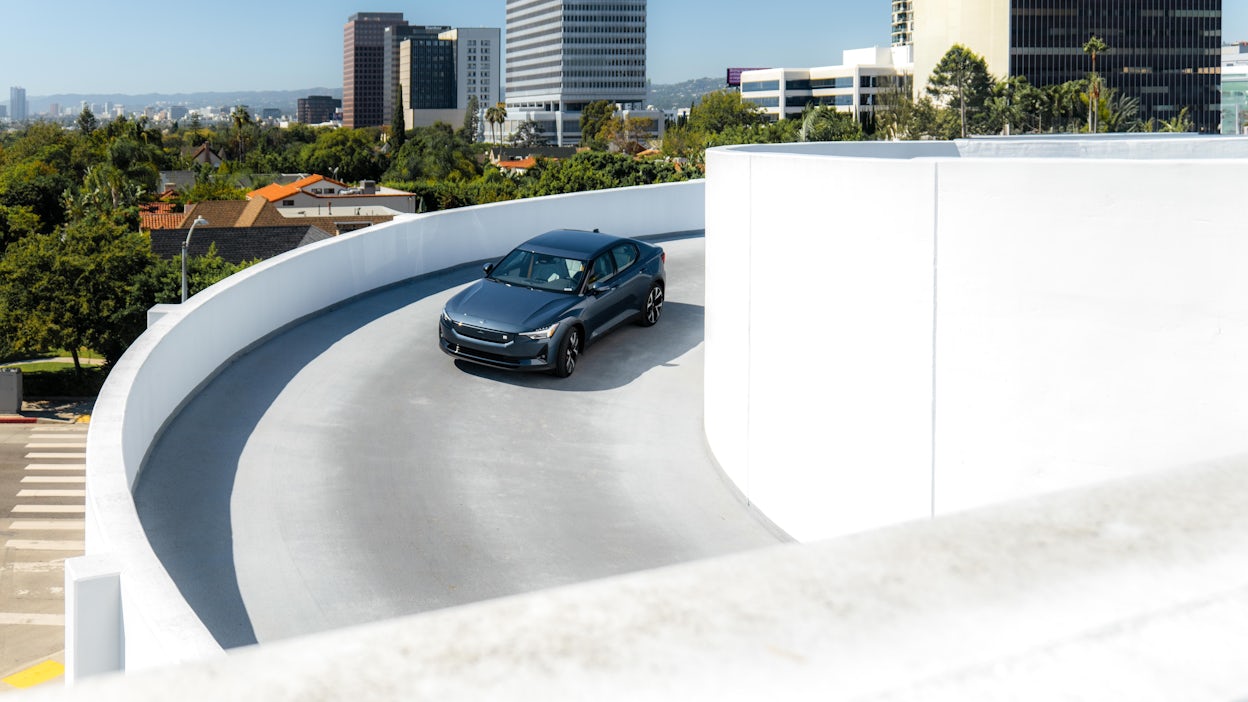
(1163, 52)
(364, 73)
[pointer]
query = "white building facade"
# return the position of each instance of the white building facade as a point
(853, 86)
(563, 55)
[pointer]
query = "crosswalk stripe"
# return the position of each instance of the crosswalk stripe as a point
(44, 545)
(50, 509)
(36, 567)
(55, 455)
(17, 618)
(48, 525)
(76, 479)
(56, 466)
(58, 444)
(51, 493)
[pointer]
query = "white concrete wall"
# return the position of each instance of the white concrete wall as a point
(186, 347)
(896, 339)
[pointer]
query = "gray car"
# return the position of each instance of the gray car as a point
(541, 305)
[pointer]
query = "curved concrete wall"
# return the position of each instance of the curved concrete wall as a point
(187, 346)
(895, 332)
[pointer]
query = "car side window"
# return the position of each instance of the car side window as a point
(624, 255)
(603, 269)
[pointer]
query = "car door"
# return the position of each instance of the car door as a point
(633, 282)
(606, 299)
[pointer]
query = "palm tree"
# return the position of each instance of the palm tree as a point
(1092, 47)
(496, 116)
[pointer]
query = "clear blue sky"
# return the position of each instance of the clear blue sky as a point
(90, 46)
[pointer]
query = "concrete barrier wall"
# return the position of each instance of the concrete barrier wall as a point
(892, 339)
(186, 347)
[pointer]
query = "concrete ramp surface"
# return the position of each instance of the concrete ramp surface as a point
(347, 471)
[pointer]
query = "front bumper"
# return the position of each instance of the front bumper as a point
(516, 353)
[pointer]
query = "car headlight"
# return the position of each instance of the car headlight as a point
(541, 334)
(447, 318)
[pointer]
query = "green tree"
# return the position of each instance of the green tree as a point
(722, 109)
(349, 155)
(595, 117)
(829, 124)
(432, 153)
(16, 223)
(529, 133)
(68, 289)
(1181, 122)
(596, 170)
(625, 134)
(398, 127)
(961, 79)
(87, 123)
(496, 116)
(472, 119)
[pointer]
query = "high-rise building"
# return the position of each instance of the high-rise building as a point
(426, 69)
(17, 104)
(478, 60)
(364, 84)
(393, 43)
(563, 55)
(1164, 53)
(316, 109)
(903, 23)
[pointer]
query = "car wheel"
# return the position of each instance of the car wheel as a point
(569, 351)
(653, 308)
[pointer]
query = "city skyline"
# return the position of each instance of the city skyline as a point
(234, 47)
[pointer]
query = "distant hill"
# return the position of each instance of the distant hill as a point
(667, 96)
(677, 95)
(255, 100)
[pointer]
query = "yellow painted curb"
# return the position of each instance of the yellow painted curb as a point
(36, 675)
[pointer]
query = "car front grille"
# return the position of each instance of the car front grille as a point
(490, 335)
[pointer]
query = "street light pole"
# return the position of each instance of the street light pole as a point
(185, 244)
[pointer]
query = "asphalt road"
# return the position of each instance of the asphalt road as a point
(42, 491)
(347, 471)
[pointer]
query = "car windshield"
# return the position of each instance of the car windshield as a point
(540, 271)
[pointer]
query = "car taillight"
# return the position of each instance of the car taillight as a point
(663, 256)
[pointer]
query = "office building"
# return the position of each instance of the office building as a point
(478, 62)
(852, 87)
(902, 33)
(426, 46)
(426, 68)
(18, 112)
(1164, 53)
(564, 55)
(364, 84)
(317, 109)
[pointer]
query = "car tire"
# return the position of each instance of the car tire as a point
(568, 353)
(653, 307)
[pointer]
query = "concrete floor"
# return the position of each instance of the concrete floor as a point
(347, 471)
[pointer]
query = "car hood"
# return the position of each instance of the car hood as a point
(493, 305)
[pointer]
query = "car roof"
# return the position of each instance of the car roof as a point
(572, 243)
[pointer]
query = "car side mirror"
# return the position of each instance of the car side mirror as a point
(598, 287)
(488, 268)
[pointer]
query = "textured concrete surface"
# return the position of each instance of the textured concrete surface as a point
(1132, 590)
(347, 471)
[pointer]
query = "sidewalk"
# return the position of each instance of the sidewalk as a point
(63, 410)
